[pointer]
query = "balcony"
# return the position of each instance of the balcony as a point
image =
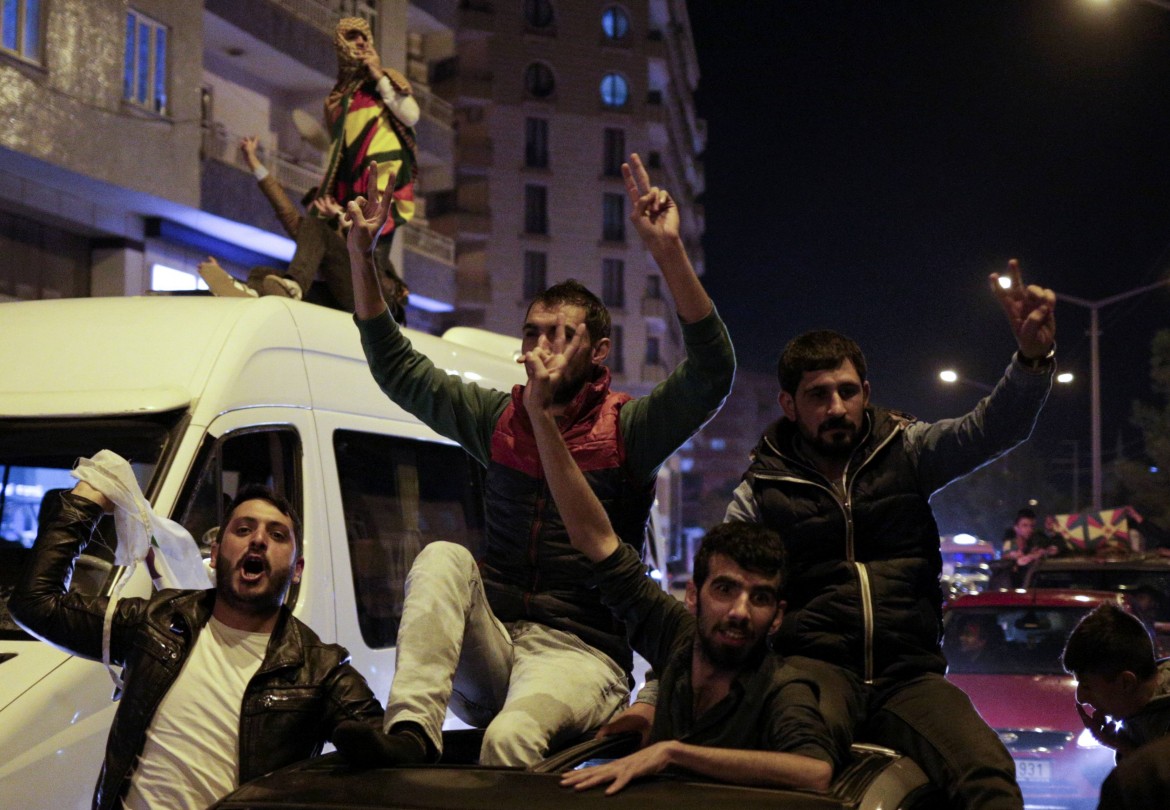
(324, 14)
(426, 242)
(451, 80)
(223, 145)
(656, 308)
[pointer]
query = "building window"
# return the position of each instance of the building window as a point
(20, 25)
(654, 160)
(539, 81)
(615, 23)
(653, 356)
(538, 13)
(613, 286)
(613, 217)
(144, 78)
(615, 90)
(616, 361)
(536, 143)
(535, 273)
(535, 209)
(614, 152)
(653, 287)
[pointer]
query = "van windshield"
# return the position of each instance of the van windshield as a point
(36, 456)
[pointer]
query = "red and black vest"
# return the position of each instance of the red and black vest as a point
(530, 570)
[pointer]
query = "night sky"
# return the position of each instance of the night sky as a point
(869, 163)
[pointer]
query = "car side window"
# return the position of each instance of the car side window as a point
(224, 465)
(399, 495)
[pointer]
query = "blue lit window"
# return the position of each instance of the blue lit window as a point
(615, 90)
(20, 28)
(144, 70)
(615, 22)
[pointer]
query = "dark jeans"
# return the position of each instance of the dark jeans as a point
(927, 718)
(321, 248)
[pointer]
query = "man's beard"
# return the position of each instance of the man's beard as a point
(723, 656)
(835, 448)
(570, 386)
(260, 601)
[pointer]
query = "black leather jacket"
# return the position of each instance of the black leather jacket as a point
(302, 690)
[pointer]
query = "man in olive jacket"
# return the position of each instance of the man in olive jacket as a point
(221, 685)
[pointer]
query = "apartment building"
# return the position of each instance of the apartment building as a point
(120, 169)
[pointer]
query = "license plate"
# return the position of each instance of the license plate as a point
(1033, 770)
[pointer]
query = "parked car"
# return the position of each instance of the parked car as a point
(876, 779)
(1004, 649)
(1143, 578)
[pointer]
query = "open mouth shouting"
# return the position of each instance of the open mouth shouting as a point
(253, 567)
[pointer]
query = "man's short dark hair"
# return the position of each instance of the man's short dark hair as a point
(1109, 641)
(571, 291)
(1025, 513)
(259, 492)
(749, 545)
(820, 350)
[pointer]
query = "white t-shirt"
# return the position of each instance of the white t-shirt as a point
(192, 752)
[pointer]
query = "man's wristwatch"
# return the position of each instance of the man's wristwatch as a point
(1038, 363)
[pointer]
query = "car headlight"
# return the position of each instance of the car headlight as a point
(1086, 740)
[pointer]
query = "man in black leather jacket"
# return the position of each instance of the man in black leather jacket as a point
(222, 685)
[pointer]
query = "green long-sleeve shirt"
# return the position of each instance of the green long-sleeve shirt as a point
(653, 426)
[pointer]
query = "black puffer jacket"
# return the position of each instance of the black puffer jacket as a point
(863, 587)
(303, 689)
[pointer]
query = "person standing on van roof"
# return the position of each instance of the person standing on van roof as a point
(519, 642)
(320, 248)
(221, 685)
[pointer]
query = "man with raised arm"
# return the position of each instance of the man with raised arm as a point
(518, 642)
(847, 486)
(221, 685)
(729, 709)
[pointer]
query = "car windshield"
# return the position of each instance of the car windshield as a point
(1008, 641)
(36, 456)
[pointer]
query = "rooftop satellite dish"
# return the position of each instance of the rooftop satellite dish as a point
(311, 130)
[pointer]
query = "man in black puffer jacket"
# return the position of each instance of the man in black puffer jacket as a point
(847, 487)
(222, 685)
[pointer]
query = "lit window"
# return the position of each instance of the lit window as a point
(538, 13)
(20, 28)
(539, 81)
(615, 90)
(144, 75)
(168, 279)
(615, 22)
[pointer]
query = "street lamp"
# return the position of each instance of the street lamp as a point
(950, 377)
(1094, 308)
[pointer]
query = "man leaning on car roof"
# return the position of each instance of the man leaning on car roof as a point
(205, 670)
(729, 710)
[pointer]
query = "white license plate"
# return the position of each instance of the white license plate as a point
(1033, 770)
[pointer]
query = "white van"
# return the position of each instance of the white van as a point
(203, 395)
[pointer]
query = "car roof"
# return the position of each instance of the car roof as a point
(1150, 562)
(1039, 597)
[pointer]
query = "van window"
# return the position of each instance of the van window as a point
(398, 495)
(36, 456)
(265, 455)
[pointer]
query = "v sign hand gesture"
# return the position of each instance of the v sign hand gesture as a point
(1031, 312)
(655, 214)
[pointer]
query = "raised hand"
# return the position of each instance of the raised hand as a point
(1031, 311)
(546, 366)
(654, 212)
(248, 146)
(366, 217)
(328, 207)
